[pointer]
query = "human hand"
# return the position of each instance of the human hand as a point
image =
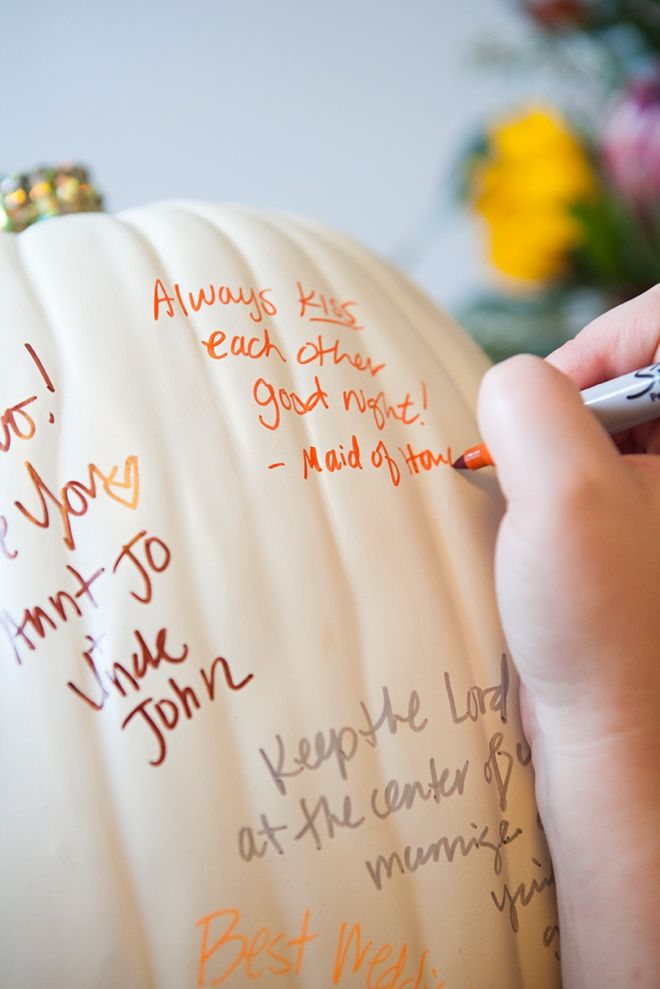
(578, 587)
(578, 561)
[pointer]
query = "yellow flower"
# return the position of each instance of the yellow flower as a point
(534, 169)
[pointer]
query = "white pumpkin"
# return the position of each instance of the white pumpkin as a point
(258, 720)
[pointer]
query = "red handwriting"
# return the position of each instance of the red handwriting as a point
(264, 953)
(74, 496)
(210, 295)
(162, 716)
(318, 308)
(241, 346)
(316, 351)
(119, 676)
(276, 400)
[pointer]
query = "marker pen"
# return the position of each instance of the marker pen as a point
(619, 404)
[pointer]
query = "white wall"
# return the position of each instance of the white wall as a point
(351, 111)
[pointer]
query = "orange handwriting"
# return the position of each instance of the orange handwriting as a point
(318, 308)
(233, 951)
(336, 458)
(74, 496)
(424, 460)
(16, 422)
(241, 346)
(369, 958)
(275, 400)
(379, 407)
(317, 351)
(212, 295)
(381, 457)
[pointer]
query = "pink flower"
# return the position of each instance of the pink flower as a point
(630, 143)
(557, 15)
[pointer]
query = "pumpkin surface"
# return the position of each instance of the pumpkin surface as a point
(259, 724)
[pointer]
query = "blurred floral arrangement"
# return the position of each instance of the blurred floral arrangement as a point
(30, 197)
(570, 204)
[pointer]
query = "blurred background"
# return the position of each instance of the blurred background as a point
(505, 153)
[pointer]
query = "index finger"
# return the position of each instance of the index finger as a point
(621, 340)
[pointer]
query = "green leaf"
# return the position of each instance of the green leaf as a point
(505, 325)
(620, 249)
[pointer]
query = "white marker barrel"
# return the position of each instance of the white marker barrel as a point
(626, 401)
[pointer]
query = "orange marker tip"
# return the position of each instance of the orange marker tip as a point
(460, 464)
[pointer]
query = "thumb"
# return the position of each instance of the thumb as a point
(539, 432)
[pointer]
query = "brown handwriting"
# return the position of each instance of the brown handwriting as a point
(35, 622)
(119, 676)
(15, 422)
(162, 716)
(74, 497)
(11, 554)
